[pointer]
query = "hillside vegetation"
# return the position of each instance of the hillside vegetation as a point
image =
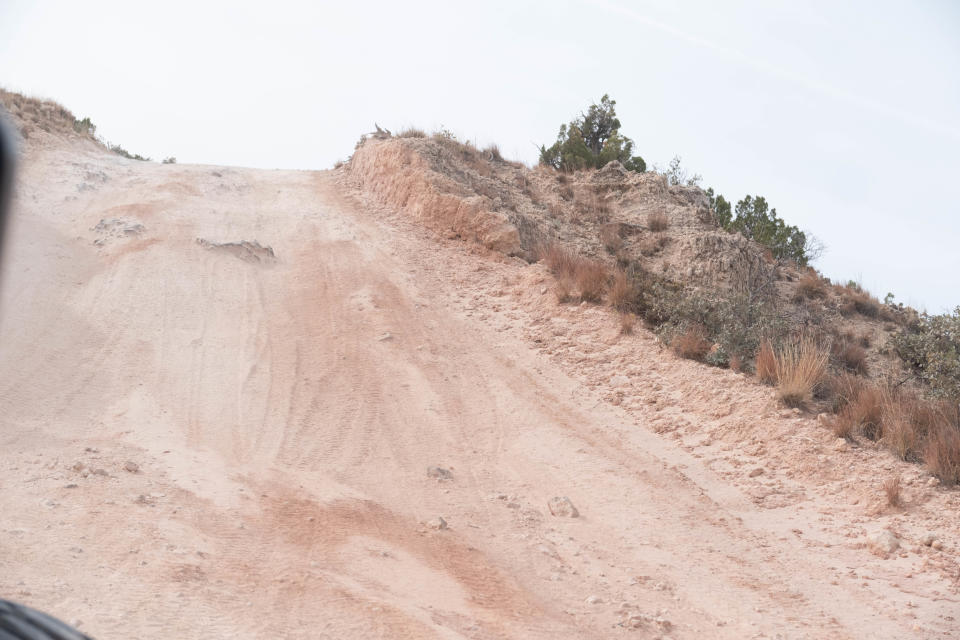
(728, 286)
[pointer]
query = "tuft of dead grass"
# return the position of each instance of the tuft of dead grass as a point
(560, 260)
(891, 487)
(412, 132)
(941, 452)
(627, 322)
(766, 363)
(591, 278)
(853, 357)
(658, 222)
(588, 276)
(621, 294)
(736, 363)
(811, 286)
(692, 343)
(610, 237)
(492, 152)
(862, 414)
(800, 367)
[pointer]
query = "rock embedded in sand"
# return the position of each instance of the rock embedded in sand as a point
(759, 471)
(928, 539)
(439, 473)
(437, 523)
(131, 466)
(562, 507)
(884, 543)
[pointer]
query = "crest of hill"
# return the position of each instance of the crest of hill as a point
(609, 214)
(45, 121)
(628, 222)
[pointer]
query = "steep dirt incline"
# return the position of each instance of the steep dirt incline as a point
(221, 390)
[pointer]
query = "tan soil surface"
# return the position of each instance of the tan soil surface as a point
(282, 360)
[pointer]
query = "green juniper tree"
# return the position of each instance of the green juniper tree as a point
(591, 141)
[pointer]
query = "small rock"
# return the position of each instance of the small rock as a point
(823, 419)
(543, 290)
(562, 507)
(100, 472)
(384, 337)
(619, 381)
(936, 544)
(928, 539)
(840, 444)
(72, 485)
(439, 473)
(78, 466)
(933, 482)
(759, 471)
(437, 523)
(594, 600)
(131, 466)
(884, 543)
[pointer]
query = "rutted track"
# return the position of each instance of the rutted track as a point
(283, 413)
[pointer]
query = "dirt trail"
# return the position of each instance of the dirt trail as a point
(280, 410)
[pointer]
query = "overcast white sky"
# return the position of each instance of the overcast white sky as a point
(845, 115)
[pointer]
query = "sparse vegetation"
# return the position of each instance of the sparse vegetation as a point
(891, 487)
(801, 365)
(811, 286)
(735, 315)
(757, 222)
(930, 348)
(766, 363)
(657, 222)
(692, 343)
(851, 357)
(170, 160)
(677, 175)
(412, 132)
(589, 277)
(610, 237)
(120, 151)
(856, 300)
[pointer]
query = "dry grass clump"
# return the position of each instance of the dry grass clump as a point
(892, 488)
(610, 237)
(852, 357)
(658, 222)
(627, 322)
(915, 429)
(736, 363)
(941, 452)
(811, 286)
(856, 300)
(412, 132)
(560, 260)
(621, 294)
(692, 343)
(651, 246)
(907, 420)
(862, 413)
(588, 276)
(800, 367)
(493, 153)
(766, 363)
(591, 278)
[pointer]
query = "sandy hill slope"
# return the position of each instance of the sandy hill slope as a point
(264, 404)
